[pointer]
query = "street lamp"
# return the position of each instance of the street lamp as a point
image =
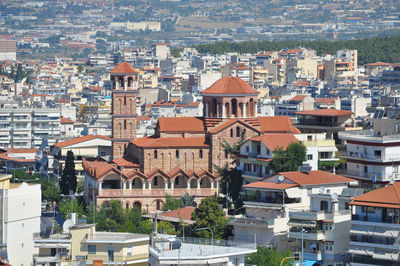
(212, 233)
(286, 258)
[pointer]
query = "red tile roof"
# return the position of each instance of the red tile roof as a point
(326, 100)
(298, 98)
(277, 124)
(387, 197)
(276, 140)
(70, 142)
(301, 83)
(316, 177)
(325, 112)
(62, 101)
(229, 123)
(152, 142)
(379, 64)
(65, 120)
(184, 213)
(230, 85)
(14, 150)
(270, 185)
(125, 163)
(123, 68)
(290, 51)
(180, 124)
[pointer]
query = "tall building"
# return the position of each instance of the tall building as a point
(124, 97)
(20, 219)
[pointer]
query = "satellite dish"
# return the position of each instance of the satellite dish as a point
(281, 178)
(391, 181)
(322, 190)
(335, 196)
(67, 225)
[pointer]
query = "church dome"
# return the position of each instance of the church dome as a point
(230, 85)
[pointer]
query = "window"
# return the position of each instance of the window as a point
(155, 181)
(92, 249)
(177, 154)
(158, 205)
(124, 100)
(231, 132)
(258, 148)
(155, 155)
(378, 153)
(309, 138)
(237, 131)
(267, 151)
(201, 154)
(365, 169)
(177, 181)
(395, 169)
(366, 209)
(247, 149)
(124, 124)
(309, 157)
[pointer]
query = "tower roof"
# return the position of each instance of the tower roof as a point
(123, 68)
(230, 85)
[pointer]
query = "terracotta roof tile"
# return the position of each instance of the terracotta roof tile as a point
(379, 64)
(325, 112)
(326, 100)
(315, 178)
(65, 120)
(123, 68)
(228, 123)
(277, 124)
(79, 140)
(298, 98)
(274, 141)
(184, 213)
(152, 142)
(15, 150)
(230, 85)
(180, 124)
(388, 197)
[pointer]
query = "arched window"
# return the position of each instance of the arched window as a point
(231, 132)
(124, 123)
(201, 154)
(158, 205)
(124, 99)
(244, 133)
(155, 181)
(214, 108)
(177, 154)
(234, 107)
(237, 131)
(155, 154)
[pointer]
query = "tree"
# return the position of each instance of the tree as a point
(209, 214)
(289, 160)
(171, 203)
(266, 256)
(187, 200)
(65, 208)
(80, 68)
(231, 182)
(68, 180)
(20, 74)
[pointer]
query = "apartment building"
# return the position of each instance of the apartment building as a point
(25, 128)
(375, 229)
(81, 243)
(90, 146)
(20, 218)
(296, 104)
(271, 206)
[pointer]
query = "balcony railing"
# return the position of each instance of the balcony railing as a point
(117, 257)
(252, 221)
(157, 192)
(374, 219)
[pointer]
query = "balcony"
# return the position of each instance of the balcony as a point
(156, 192)
(309, 234)
(360, 219)
(116, 258)
(372, 245)
(307, 215)
(252, 222)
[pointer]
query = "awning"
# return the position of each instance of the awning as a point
(304, 223)
(312, 262)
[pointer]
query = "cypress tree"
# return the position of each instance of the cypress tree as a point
(68, 179)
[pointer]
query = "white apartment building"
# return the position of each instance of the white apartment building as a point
(375, 228)
(20, 219)
(277, 205)
(25, 128)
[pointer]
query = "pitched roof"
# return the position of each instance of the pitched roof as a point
(180, 124)
(301, 83)
(79, 140)
(276, 140)
(379, 64)
(277, 124)
(15, 150)
(298, 98)
(184, 214)
(153, 142)
(230, 85)
(325, 112)
(388, 197)
(327, 100)
(316, 177)
(124, 68)
(270, 185)
(65, 120)
(228, 123)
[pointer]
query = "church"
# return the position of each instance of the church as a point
(184, 153)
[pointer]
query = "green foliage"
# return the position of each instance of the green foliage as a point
(267, 257)
(64, 208)
(80, 68)
(165, 227)
(289, 160)
(171, 203)
(80, 186)
(386, 49)
(175, 52)
(188, 200)
(231, 182)
(114, 218)
(327, 166)
(68, 179)
(209, 214)
(50, 191)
